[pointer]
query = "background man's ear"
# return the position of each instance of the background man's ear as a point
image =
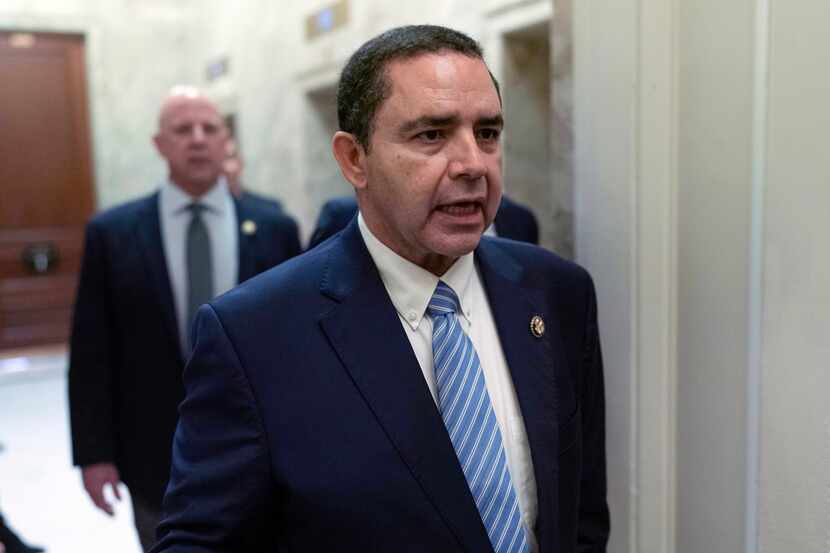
(158, 142)
(351, 157)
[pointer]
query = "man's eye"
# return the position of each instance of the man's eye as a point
(489, 134)
(432, 135)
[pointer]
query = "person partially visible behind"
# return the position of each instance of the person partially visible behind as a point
(232, 168)
(513, 221)
(147, 266)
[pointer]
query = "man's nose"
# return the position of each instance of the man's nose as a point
(198, 134)
(466, 157)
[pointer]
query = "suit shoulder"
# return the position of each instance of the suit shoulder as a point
(284, 221)
(124, 214)
(257, 204)
(543, 267)
(266, 210)
(268, 200)
(342, 207)
(293, 281)
(341, 203)
(516, 207)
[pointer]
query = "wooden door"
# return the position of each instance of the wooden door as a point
(45, 184)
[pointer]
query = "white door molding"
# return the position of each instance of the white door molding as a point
(626, 184)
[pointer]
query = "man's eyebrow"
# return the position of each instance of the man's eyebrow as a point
(428, 121)
(492, 121)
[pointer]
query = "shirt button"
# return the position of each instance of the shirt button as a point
(411, 316)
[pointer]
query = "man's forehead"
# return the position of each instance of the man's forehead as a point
(181, 106)
(449, 72)
(440, 86)
(441, 64)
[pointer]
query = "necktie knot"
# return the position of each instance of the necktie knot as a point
(443, 302)
(196, 209)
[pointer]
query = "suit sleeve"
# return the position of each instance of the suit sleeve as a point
(92, 350)
(594, 520)
(221, 490)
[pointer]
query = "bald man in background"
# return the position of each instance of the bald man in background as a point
(148, 264)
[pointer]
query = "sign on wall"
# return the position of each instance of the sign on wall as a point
(326, 20)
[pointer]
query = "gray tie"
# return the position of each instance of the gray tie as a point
(199, 265)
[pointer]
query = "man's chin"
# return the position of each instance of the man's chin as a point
(458, 245)
(196, 185)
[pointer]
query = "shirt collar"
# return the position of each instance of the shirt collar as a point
(410, 287)
(177, 200)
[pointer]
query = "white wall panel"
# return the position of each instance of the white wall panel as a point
(795, 424)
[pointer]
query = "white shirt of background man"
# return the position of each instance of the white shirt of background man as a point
(221, 222)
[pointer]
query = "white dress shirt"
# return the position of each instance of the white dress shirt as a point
(410, 288)
(220, 220)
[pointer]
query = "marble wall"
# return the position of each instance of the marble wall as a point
(526, 84)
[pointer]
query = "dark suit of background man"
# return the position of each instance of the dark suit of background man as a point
(345, 402)
(145, 264)
(513, 221)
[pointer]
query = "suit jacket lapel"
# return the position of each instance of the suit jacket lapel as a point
(247, 242)
(382, 365)
(148, 228)
(532, 362)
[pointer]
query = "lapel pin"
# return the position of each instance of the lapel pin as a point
(248, 227)
(537, 326)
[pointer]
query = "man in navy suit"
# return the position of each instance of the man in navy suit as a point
(139, 282)
(513, 221)
(408, 385)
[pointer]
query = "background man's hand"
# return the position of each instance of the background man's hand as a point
(95, 478)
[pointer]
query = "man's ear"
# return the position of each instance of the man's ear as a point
(351, 157)
(158, 140)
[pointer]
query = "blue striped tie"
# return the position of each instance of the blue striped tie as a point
(468, 415)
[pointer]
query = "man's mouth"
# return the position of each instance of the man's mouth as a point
(460, 208)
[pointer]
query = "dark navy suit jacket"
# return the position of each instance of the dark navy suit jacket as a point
(512, 221)
(308, 426)
(125, 362)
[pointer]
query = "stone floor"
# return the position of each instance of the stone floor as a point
(40, 492)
